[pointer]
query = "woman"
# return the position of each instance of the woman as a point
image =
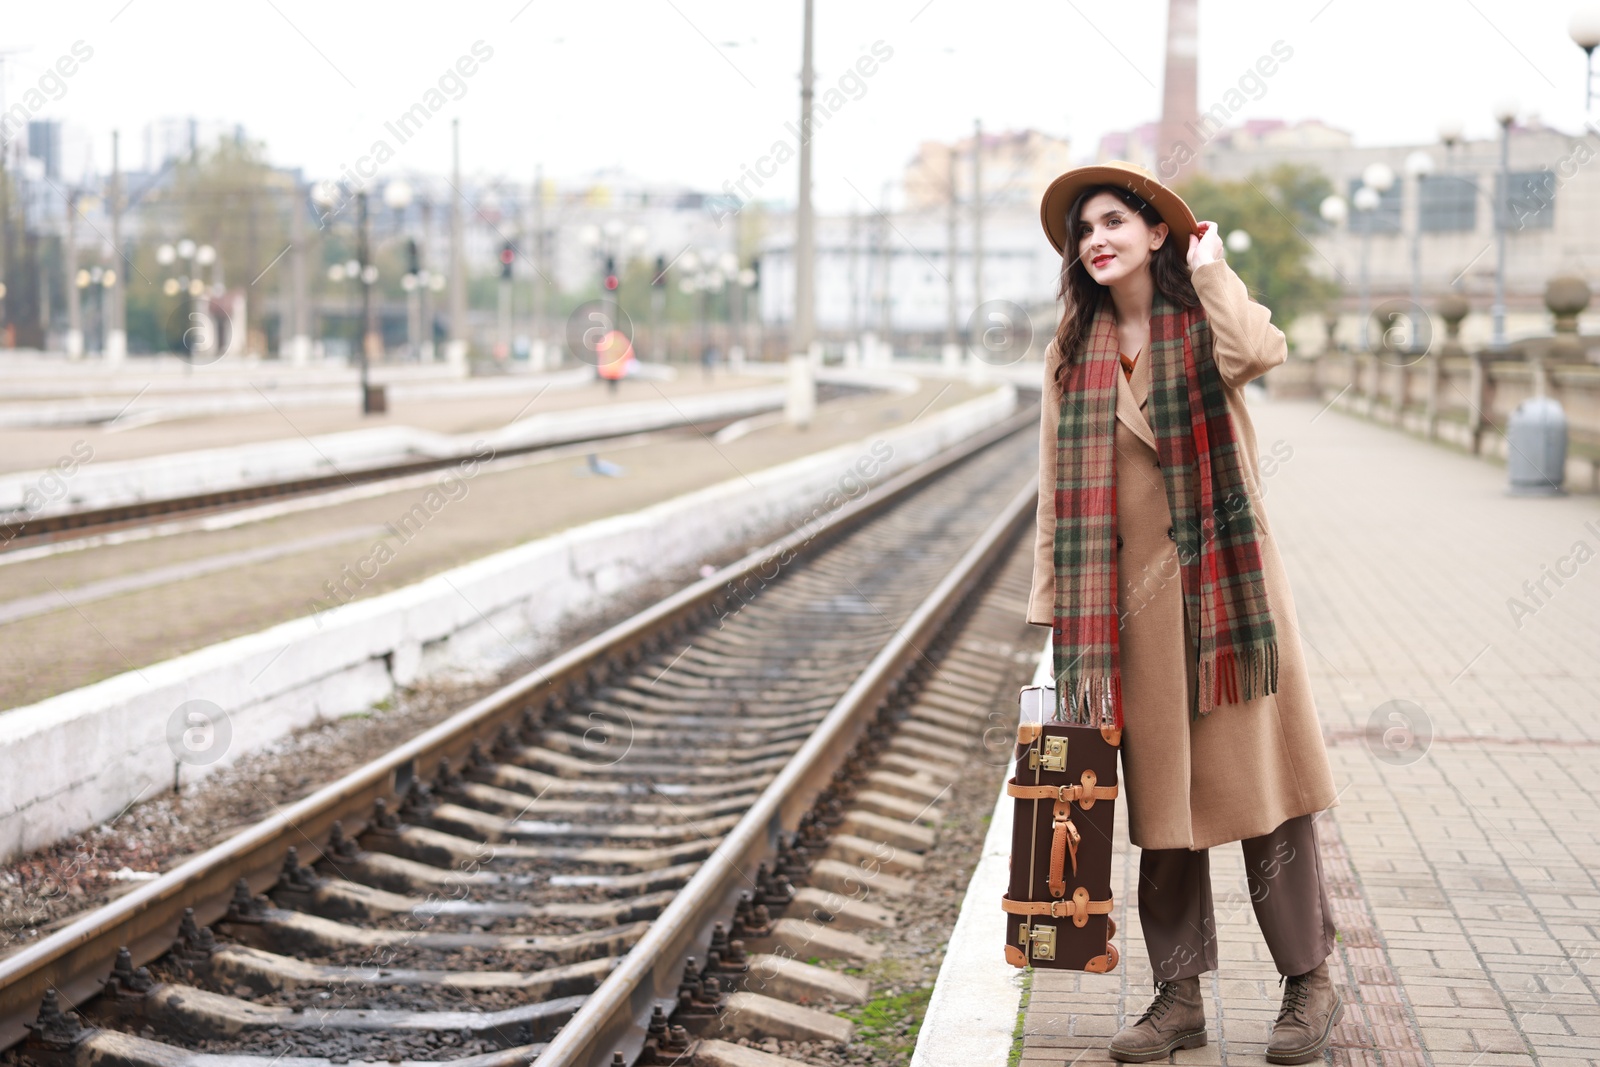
(1170, 608)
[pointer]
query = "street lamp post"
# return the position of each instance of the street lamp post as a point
(430, 284)
(200, 336)
(1335, 212)
(409, 283)
(805, 300)
(728, 265)
(103, 281)
(74, 343)
(1585, 31)
(456, 347)
(1450, 134)
(1376, 179)
(294, 337)
(1505, 113)
(397, 197)
(1366, 202)
(336, 273)
(702, 278)
(749, 315)
(81, 280)
(690, 284)
(352, 309)
(426, 287)
(113, 336)
(116, 344)
(324, 194)
(368, 276)
(1418, 166)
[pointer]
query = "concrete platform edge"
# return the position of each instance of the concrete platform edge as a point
(108, 483)
(972, 1014)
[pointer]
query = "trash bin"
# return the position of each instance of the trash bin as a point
(1537, 455)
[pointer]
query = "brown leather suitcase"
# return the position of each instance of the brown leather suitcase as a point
(1058, 905)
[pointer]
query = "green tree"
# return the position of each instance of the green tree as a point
(229, 198)
(233, 200)
(1278, 208)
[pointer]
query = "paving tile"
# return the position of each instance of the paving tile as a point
(1465, 872)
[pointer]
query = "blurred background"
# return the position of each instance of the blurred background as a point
(497, 322)
(433, 184)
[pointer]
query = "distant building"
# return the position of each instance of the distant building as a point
(1553, 217)
(1015, 166)
(1137, 146)
(1274, 135)
(175, 138)
(892, 275)
(44, 144)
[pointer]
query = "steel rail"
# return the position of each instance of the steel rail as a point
(72, 525)
(615, 1016)
(76, 959)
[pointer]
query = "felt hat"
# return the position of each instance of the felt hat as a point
(1064, 190)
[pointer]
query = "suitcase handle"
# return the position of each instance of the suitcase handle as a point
(1064, 838)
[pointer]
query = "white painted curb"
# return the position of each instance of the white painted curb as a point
(82, 756)
(972, 1014)
(91, 484)
(93, 394)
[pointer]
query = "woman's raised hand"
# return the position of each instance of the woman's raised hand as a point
(1204, 247)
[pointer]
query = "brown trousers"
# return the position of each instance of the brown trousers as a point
(1287, 890)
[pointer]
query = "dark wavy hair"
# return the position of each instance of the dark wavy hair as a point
(1081, 294)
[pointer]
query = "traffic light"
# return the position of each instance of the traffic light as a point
(660, 279)
(508, 256)
(611, 273)
(755, 268)
(413, 258)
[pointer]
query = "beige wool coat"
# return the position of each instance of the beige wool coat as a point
(1245, 768)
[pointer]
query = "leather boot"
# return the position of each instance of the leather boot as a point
(1175, 1019)
(1311, 1009)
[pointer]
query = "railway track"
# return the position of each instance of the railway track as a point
(598, 863)
(36, 530)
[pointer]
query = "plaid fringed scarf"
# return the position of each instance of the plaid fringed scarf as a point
(1234, 643)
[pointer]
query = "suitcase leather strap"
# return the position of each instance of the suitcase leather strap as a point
(1085, 793)
(1077, 907)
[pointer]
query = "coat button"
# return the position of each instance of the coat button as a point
(1170, 535)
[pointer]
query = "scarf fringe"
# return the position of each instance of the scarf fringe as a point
(1219, 675)
(1089, 699)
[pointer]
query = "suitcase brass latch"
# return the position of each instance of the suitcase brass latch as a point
(1042, 941)
(1054, 757)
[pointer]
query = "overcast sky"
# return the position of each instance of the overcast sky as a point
(695, 90)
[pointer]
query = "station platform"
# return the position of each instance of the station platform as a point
(1463, 854)
(78, 617)
(139, 411)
